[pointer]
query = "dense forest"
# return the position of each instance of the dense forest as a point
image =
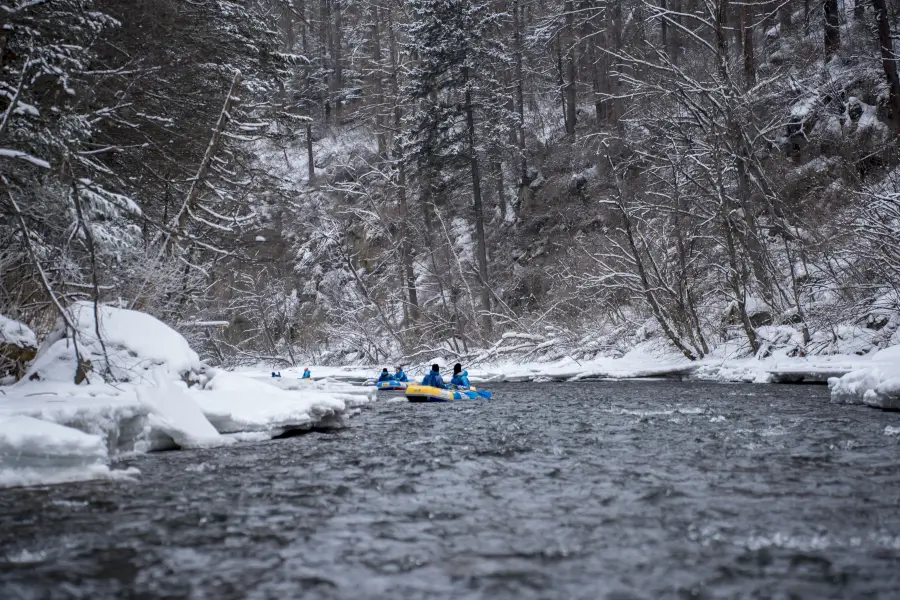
(337, 180)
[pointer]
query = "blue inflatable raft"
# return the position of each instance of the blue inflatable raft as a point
(391, 386)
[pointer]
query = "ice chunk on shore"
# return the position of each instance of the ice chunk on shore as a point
(35, 452)
(172, 412)
(877, 384)
(234, 403)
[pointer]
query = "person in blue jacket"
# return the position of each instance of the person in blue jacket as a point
(400, 375)
(306, 373)
(460, 377)
(434, 378)
(385, 376)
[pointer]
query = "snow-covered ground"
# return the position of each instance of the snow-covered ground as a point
(875, 383)
(645, 360)
(136, 397)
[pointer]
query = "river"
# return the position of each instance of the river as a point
(612, 490)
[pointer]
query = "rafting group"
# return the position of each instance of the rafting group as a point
(432, 388)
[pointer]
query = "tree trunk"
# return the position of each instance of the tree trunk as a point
(376, 82)
(303, 22)
(198, 182)
(309, 153)
(806, 19)
(327, 52)
(888, 59)
(405, 247)
(664, 28)
(859, 10)
(561, 82)
(289, 38)
(338, 67)
(481, 250)
(785, 15)
(570, 70)
(501, 193)
(832, 26)
(520, 96)
(749, 58)
(615, 109)
(675, 34)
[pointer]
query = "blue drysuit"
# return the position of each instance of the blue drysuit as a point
(434, 379)
(385, 376)
(306, 374)
(401, 376)
(462, 380)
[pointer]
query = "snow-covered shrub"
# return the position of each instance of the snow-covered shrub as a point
(18, 345)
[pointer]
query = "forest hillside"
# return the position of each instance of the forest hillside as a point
(285, 181)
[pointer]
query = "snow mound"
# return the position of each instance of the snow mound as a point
(877, 384)
(131, 348)
(35, 452)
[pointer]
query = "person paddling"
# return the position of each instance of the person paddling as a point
(400, 375)
(460, 377)
(433, 378)
(306, 373)
(385, 376)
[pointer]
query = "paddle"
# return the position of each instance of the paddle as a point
(480, 393)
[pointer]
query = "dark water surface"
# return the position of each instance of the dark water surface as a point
(592, 490)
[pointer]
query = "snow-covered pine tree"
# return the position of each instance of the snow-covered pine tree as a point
(64, 223)
(460, 106)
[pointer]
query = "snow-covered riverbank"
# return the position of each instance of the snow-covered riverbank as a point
(872, 379)
(144, 389)
(642, 362)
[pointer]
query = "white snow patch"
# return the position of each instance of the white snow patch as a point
(877, 384)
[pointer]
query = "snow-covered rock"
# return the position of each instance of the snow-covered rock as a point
(877, 384)
(132, 347)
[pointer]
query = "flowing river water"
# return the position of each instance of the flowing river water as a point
(612, 490)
